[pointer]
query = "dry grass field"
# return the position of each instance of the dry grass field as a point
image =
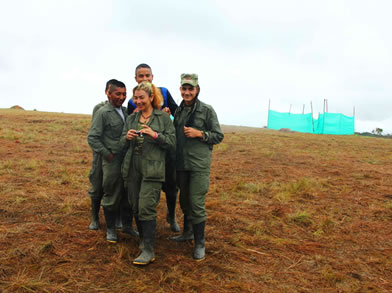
(287, 212)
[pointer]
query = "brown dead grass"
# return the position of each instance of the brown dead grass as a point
(287, 212)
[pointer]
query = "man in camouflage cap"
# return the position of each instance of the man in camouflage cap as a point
(190, 78)
(197, 130)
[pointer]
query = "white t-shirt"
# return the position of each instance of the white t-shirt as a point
(119, 110)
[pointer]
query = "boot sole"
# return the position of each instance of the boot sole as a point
(199, 259)
(181, 240)
(143, 263)
(133, 234)
(112, 241)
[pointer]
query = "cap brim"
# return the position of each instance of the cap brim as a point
(189, 82)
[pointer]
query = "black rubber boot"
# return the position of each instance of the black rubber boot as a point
(126, 220)
(118, 219)
(111, 234)
(140, 230)
(95, 206)
(171, 200)
(199, 252)
(187, 234)
(147, 256)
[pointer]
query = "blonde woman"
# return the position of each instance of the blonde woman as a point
(146, 137)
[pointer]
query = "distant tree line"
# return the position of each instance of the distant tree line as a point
(377, 132)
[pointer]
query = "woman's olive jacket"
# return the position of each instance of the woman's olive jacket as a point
(153, 150)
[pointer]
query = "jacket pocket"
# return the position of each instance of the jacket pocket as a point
(199, 122)
(154, 170)
(116, 127)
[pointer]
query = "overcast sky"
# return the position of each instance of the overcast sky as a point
(57, 55)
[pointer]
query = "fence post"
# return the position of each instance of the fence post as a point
(311, 109)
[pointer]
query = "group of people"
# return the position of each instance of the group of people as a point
(139, 151)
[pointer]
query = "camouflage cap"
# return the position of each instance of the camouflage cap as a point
(190, 78)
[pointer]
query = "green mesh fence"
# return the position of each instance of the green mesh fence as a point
(334, 123)
(295, 122)
(327, 123)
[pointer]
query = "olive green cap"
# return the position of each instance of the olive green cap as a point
(190, 78)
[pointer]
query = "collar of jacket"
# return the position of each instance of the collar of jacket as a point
(111, 107)
(195, 108)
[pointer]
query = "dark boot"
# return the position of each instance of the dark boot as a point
(147, 256)
(187, 234)
(140, 230)
(111, 234)
(199, 250)
(126, 220)
(118, 219)
(171, 199)
(95, 206)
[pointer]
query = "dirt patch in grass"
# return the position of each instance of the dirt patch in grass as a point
(287, 212)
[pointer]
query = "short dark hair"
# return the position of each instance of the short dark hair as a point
(142, 65)
(110, 82)
(115, 84)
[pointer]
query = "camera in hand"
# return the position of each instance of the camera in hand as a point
(139, 133)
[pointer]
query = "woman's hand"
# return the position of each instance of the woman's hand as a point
(147, 130)
(131, 134)
(167, 110)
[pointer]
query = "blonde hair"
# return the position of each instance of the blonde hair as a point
(152, 91)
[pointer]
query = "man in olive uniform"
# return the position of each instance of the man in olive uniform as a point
(197, 130)
(96, 191)
(103, 138)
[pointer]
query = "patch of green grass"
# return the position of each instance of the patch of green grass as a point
(301, 186)
(236, 240)
(68, 205)
(41, 195)
(250, 187)
(283, 196)
(6, 166)
(304, 188)
(301, 218)
(222, 147)
(32, 137)
(80, 126)
(10, 134)
(77, 149)
(19, 199)
(30, 165)
(371, 160)
(257, 228)
(224, 196)
(268, 153)
(331, 276)
(247, 190)
(56, 127)
(326, 226)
